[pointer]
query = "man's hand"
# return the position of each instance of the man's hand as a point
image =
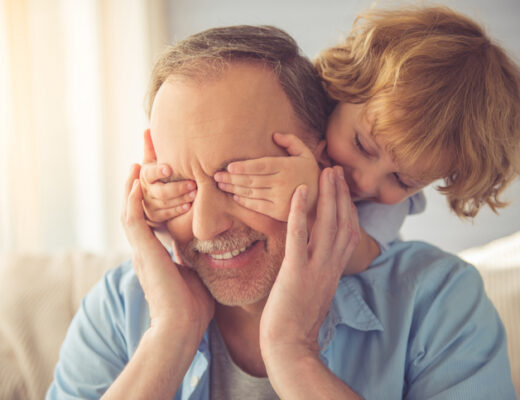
(302, 293)
(266, 184)
(180, 310)
(173, 293)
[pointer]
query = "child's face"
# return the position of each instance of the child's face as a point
(370, 171)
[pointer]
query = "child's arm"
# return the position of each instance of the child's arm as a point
(266, 185)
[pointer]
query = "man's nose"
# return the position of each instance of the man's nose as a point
(210, 212)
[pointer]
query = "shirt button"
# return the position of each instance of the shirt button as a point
(194, 380)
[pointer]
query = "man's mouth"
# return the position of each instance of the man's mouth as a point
(229, 254)
(236, 258)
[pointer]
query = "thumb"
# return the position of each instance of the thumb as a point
(297, 235)
(292, 144)
(149, 151)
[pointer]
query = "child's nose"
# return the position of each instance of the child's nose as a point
(367, 182)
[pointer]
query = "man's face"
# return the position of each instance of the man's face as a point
(200, 127)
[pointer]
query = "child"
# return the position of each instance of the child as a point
(420, 94)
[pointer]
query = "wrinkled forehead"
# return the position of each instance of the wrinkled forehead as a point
(199, 126)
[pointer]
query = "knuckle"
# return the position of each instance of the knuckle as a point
(261, 166)
(332, 230)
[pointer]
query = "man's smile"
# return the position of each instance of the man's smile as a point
(236, 258)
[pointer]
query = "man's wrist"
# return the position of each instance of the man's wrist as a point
(305, 376)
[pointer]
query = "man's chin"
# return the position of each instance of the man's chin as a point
(247, 285)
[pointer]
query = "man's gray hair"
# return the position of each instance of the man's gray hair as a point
(210, 51)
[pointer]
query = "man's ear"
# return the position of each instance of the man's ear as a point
(321, 155)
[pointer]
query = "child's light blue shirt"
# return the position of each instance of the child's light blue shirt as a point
(383, 222)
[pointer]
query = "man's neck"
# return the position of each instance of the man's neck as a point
(239, 327)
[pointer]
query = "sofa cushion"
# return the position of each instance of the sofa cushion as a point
(499, 265)
(39, 295)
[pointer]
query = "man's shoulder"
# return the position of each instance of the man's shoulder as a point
(121, 277)
(417, 264)
(119, 289)
(411, 276)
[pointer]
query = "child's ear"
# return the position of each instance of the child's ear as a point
(321, 155)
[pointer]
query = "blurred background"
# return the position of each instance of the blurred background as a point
(73, 79)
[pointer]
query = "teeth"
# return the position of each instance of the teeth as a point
(229, 254)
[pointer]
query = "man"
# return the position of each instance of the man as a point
(258, 312)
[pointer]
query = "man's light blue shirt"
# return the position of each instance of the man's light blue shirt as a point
(416, 324)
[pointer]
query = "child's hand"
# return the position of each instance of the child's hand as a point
(162, 200)
(266, 184)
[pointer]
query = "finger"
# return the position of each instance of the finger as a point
(257, 166)
(134, 222)
(153, 204)
(296, 241)
(132, 176)
(263, 207)
(149, 151)
(177, 255)
(163, 215)
(253, 181)
(292, 144)
(324, 230)
(171, 190)
(149, 255)
(251, 193)
(151, 172)
(347, 220)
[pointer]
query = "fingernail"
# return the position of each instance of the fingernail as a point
(165, 171)
(304, 191)
(192, 194)
(340, 173)
(186, 206)
(330, 172)
(190, 186)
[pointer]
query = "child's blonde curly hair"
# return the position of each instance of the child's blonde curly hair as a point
(442, 92)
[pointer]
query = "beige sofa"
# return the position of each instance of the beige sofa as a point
(39, 294)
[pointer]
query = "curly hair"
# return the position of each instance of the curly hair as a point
(442, 93)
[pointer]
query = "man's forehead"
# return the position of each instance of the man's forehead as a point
(216, 122)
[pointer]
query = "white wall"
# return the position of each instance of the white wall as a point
(316, 25)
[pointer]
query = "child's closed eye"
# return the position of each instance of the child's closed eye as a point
(360, 146)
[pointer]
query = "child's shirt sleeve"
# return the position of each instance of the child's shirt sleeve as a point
(383, 221)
